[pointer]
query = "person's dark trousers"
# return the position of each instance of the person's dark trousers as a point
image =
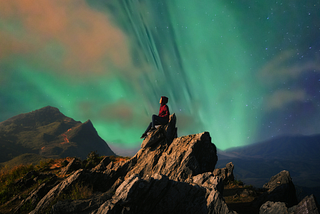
(156, 120)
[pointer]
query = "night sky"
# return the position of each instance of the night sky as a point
(245, 71)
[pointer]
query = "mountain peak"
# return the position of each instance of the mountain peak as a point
(50, 133)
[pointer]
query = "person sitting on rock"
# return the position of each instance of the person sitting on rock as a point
(161, 119)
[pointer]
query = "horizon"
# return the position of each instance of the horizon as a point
(243, 71)
(133, 150)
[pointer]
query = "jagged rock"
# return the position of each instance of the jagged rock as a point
(164, 132)
(185, 157)
(208, 180)
(214, 187)
(271, 207)
(158, 194)
(81, 206)
(54, 192)
(170, 128)
(102, 165)
(226, 173)
(280, 188)
(72, 166)
(35, 196)
(307, 205)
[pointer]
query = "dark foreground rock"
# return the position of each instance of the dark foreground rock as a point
(307, 206)
(226, 173)
(158, 194)
(271, 207)
(280, 188)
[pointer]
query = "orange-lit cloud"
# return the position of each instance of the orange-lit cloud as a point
(68, 33)
(118, 111)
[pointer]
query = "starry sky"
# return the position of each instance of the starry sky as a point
(245, 71)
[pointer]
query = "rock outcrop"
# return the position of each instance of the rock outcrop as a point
(280, 188)
(163, 132)
(72, 166)
(167, 175)
(271, 207)
(158, 194)
(307, 205)
(226, 173)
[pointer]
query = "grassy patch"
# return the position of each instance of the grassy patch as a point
(8, 177)
(116, 159)
(11, 187)
(76, 192)
(79, 191)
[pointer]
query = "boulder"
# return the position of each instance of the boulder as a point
(271, 207)
(280, 188)
(226, 173)
(208, 180)
(307, 205)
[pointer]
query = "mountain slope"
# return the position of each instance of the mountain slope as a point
(284, 147)
(49, 133)
(256, 163)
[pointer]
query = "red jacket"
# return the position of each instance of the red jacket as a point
(164, 111)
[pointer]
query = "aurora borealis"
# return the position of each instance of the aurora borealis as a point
(245, 71)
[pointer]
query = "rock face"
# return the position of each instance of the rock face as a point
(72, 166)
(184, 157)
(157, 194)
(280, 188)
(167, 175)
(165, 132)
(49, 133)
(307, 205)
(271, 207)
(226, 173)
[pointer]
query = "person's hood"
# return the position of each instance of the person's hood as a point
(164, 100)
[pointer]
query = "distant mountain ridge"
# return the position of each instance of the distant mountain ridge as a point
(257, 162)
(49, 133)
(283, 147)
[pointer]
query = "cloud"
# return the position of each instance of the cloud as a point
(285, 67)
(282, 97)
(64, 34)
